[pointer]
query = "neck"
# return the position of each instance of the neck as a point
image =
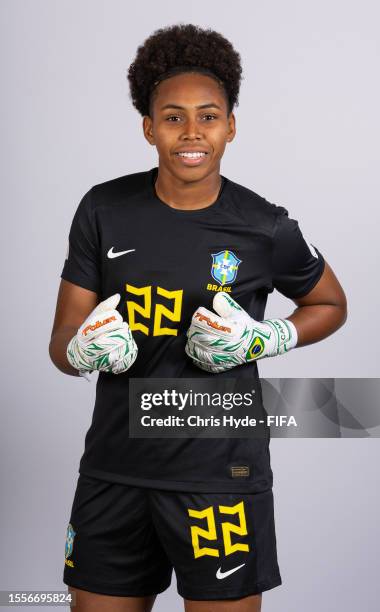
(187, 195)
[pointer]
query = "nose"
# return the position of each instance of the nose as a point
(191, 130)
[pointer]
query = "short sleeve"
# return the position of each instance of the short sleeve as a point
(82, 264)
(297, 264)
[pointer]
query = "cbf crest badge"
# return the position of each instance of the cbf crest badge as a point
(224, 267)
(70, 535)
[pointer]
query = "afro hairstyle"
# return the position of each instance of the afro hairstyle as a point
(183, 48)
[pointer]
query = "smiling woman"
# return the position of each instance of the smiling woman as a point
(169, 271)
(190, 125)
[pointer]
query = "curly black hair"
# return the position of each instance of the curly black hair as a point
(183, 48)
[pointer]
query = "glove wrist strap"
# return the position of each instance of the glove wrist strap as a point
(286, 335)
(73, 358)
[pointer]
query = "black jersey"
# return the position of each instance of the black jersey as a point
(174, 261)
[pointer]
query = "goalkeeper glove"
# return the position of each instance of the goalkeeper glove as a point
(103, 342)
(219, 343)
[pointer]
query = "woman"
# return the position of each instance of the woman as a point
(167, 276)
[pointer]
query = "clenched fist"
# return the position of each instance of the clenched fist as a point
(219, 342)
(104, 341)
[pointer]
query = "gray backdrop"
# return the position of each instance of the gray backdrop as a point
(308, 134)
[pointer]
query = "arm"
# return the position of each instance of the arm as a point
(219, 342)
(74, 304)
(322, 311)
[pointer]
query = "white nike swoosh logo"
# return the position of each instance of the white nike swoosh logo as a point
(221, 575)
(111, 254)
(312, 249)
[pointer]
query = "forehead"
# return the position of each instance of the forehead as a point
(188, 90)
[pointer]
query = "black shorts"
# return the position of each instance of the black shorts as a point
(124, 540)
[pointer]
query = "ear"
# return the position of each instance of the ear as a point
(231, 127)
(148, 129)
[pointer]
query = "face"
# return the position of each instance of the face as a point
(189, 125)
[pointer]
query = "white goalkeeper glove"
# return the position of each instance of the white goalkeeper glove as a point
(219, 343)
(103, 342)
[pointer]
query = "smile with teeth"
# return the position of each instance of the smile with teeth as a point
(195, 154)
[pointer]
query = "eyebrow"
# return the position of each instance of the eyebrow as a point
(201, 106)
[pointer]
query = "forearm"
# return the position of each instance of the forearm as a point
(317, 321)
(57, 350)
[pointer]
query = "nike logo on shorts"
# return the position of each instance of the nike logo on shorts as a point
(312, 249)
(221, 575)
(111, 253)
